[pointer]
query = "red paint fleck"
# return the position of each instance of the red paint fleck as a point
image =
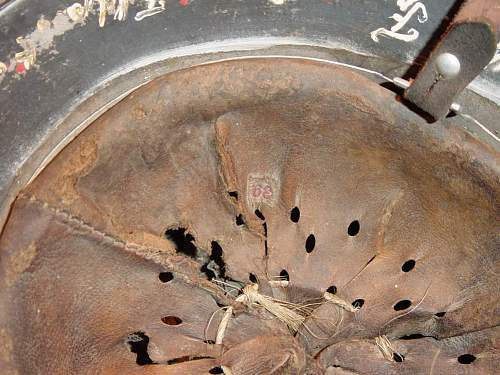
(20, 68)
(184, 3)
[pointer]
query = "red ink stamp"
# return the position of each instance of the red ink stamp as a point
(261, 190)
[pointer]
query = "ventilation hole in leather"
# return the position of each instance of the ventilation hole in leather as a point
(332, 289)
(413, 336)
(233, 194)
(295, 215)
(216, 370)
(239, 220)
(310, 243)
(138, 344)
(171, 320)
(440, 314)
(183, 241)
(358, 303)
(252, 278)
(259, 215)
(165, 277)
(466, 359)
(398, 357)
(408, 265)
(402, 305)
(284, 275)
(353, 228)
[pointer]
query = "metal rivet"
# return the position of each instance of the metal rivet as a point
(448, 65)
(455, 107)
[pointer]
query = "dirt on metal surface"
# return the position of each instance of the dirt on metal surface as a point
(302, 177)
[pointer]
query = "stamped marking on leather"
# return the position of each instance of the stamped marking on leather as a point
(262, 189)
(412, 8)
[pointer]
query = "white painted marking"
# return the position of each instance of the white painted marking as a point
(417, 8)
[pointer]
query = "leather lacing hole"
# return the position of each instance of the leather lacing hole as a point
(239, 220)
(358, 303)
(171, 320)
(398, 357)
(310, 243)
(295, 215)
(353, 228)
(284, 275)
(165, 277)
(408, 265)
(260, 215)
(332, 289)
(466, 359)
(402, 305)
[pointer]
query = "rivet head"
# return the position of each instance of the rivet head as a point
(448, 65)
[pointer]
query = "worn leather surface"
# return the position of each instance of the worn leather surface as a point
(422, 355)
(85, 243)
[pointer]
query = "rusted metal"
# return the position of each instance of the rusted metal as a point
(119, 257)
(471, 39)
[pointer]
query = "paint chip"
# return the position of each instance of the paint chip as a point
(42, 24)
(20, 68)
(152, 9)
(76, 12)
